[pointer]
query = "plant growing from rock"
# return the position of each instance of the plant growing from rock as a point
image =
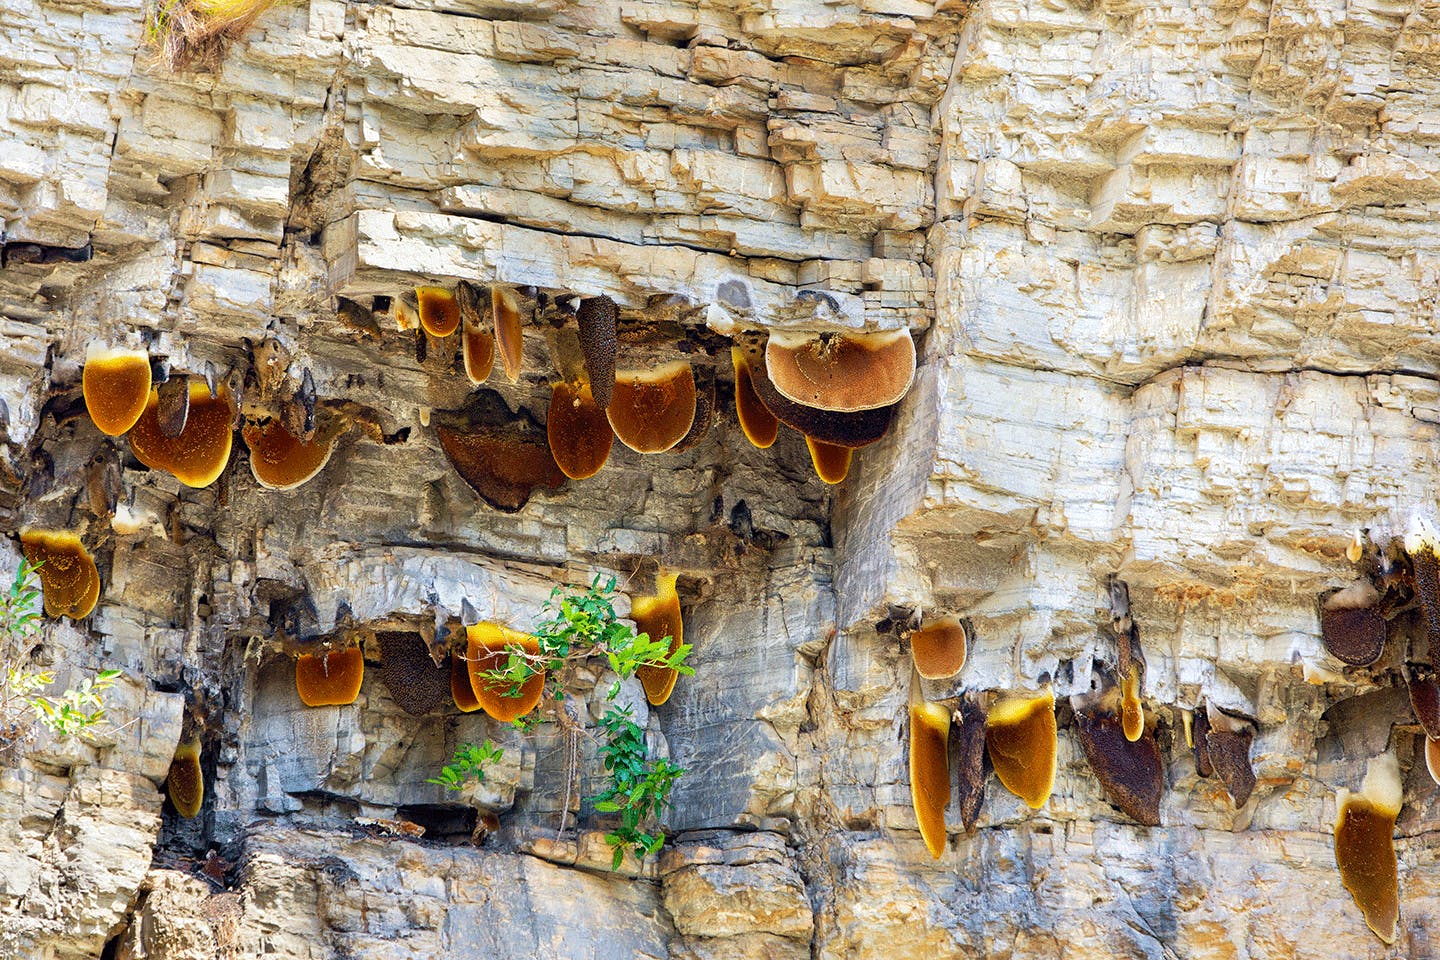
(469, 761)
(583, 627)
(187, 34)
(74, 712)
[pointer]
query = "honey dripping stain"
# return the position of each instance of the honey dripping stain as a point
(116, 386)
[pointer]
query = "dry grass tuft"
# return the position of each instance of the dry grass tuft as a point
(194, 34)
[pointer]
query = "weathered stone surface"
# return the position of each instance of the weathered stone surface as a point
(747, 887)
(321, 894)
(178, 917)
(1172, 269)
(68, 885)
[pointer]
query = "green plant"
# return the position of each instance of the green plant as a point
(74, 712)
(469, 761)
(639, 787)
(581, 627)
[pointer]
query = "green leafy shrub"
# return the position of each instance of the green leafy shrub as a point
(469, 761)
(75, 712)
(584, 627)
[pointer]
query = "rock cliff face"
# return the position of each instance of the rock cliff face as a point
(1173, 271)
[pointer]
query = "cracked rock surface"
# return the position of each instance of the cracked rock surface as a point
(1173, 272)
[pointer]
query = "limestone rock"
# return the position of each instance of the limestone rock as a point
(1171, 269)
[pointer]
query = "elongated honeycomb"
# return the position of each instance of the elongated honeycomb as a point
(756, 421)
(831, 461)
(1021, 738)
(185, 783)
(1365, 846)
(967, 758)
(460, 690)
(477, 347)
(507, 309)
(1132, 714)
(597, 319)
(659, 616)
(930, 771)
(415, 682)
(579, 432)
(1131, 771)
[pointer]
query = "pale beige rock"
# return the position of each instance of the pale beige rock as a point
(177, 918)
(1172, 269)
(739, 889)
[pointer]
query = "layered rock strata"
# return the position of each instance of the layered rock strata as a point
(1172, 269)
